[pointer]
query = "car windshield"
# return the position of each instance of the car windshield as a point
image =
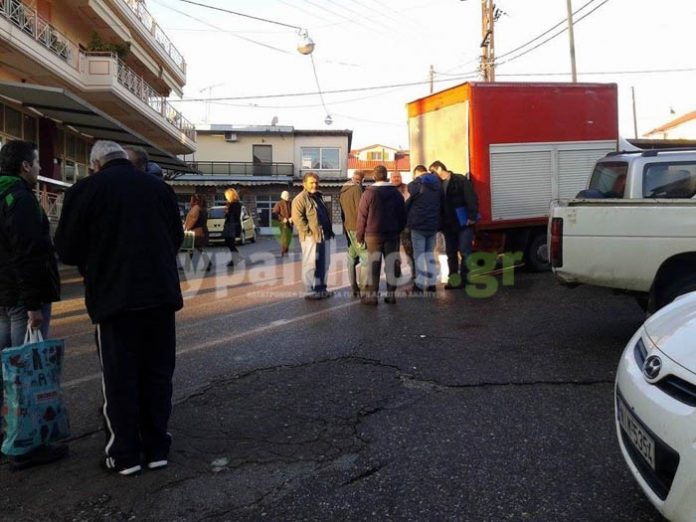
(669, 180)
(216, 213)
(609, 179)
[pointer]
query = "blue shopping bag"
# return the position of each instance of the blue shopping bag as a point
(33, 409)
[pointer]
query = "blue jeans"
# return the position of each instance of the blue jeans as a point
(456, 242)
(13, 328)
(13, 324)
(424, 257)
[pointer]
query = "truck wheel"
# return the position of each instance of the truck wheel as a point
(536, 257)
(682, 284)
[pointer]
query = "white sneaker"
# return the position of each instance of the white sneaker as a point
(157, 464)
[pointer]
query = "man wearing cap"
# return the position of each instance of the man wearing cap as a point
(282, 211)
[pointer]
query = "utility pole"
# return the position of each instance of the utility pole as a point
(635, 120)
(487, 40)
(571, 35)
(432, 78)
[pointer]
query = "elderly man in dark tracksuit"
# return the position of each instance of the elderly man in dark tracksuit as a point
(122, 230)
(29, 280)
(460, 211)
(381, 218)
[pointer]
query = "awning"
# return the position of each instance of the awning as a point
(71, 110)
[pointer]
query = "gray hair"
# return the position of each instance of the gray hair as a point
(104, 151)
(138, 156)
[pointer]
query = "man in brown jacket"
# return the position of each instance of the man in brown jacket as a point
(357, 252)
(313, 221)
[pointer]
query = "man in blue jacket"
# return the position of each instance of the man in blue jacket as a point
(122, 230)
(424, 218)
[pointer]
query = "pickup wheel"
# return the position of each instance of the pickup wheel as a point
(680, 285)
(536, 256)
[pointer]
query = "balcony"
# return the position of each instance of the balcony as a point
(147, 21)
(35, 27)
(240, 168)
(106, 76)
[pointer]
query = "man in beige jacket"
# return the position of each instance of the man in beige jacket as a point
(313, 221)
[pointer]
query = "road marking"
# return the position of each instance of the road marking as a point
(231, 337)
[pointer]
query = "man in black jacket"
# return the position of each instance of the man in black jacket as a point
(122, 230)
(459, 215)
(29, 280)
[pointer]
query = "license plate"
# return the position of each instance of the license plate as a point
(637, 435)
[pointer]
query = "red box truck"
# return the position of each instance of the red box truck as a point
(524, 145)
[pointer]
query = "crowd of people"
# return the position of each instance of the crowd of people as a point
(121, 227)
(383, 219)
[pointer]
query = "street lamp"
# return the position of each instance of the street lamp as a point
(306, 44)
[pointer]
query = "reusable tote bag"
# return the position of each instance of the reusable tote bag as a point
(33, 408)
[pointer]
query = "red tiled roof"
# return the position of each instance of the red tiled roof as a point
(678, 121)
(401, 164)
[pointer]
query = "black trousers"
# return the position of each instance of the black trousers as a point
(378, 247)
(137, 351)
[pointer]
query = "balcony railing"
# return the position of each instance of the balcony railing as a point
(135, 83)
(148, 22)
(240, 168)
(29, 21)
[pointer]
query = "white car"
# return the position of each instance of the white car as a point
(655, 401)
(216, 222)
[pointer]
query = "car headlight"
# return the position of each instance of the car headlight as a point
(640, 352)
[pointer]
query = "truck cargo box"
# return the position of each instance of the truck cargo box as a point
(524, 144)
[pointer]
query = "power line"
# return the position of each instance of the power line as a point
(316, 79)
(284, 51)
(242, 14)
(551, 37)
(606, 73)
(335, 91)
(544, 33)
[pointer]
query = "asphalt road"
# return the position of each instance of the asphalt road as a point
(445, 408)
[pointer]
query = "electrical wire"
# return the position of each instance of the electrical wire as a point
(604, 73)
(316, 79)
(241, 14)
(551, 37)
(468, 75)
(182, 13)
(565, 20)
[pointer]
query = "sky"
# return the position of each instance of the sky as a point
(251, 71)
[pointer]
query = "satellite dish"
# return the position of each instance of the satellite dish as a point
(274, 121)
(328, 120)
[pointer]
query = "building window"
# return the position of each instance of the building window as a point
(320, 158)
(264, 205)
(30, 128)
(374, 156)
(13, 122)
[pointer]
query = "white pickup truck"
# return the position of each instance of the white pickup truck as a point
(634, 228)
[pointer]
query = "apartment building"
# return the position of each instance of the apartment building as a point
(261, 161)
(74, 71)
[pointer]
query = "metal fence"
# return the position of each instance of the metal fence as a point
(240, 168)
